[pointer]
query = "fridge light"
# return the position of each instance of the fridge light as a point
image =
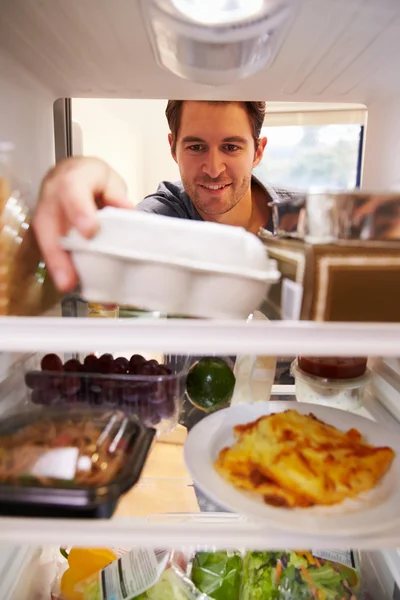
(213, 12)
(216, 42)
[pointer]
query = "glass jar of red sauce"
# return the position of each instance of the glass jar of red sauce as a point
(333, 381)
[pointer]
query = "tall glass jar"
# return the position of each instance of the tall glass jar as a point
(25, 285)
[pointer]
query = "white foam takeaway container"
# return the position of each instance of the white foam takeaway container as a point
(172, 265)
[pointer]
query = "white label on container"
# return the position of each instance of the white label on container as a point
(59, 463)
(132, 574)
(343, 557)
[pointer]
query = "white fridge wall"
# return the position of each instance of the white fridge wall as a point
(17, 570)
(26, 119)
(132, 138)
(381, 168)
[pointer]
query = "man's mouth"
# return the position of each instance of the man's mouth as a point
(220, 186)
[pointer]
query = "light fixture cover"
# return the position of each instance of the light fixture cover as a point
(216, 42)
(218, 12)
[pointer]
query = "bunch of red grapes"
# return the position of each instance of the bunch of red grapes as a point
(139, 386)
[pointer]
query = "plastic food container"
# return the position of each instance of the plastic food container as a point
(145, 388)
(73, 463)
(255, 374)
(171, 265)
(328, 216)
(346, 394)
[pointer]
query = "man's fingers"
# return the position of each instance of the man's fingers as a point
(69, 202)
(69, 197)
(58, 261)
(118, 202)
(366, 208)
(74, 186)
(115, 192)
(374, 203)
(62, 270)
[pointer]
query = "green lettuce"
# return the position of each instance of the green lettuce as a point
(218, 574)
(166, 588)
(259, 581)
(297, 561)
(291, 584)
(264, 579)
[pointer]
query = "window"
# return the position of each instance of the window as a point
(313, 146)
(312, 156)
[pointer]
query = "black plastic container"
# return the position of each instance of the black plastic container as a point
(70, 463)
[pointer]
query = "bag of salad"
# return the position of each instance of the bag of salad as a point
(215, 574)
(143, 574)
(271, 575)
(300, 575)
(139, 574)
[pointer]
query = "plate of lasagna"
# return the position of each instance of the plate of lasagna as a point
(299, 466)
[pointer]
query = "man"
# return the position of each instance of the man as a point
(216, 145)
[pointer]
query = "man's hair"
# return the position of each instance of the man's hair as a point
(255, 112)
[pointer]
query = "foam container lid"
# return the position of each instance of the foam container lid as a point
(183, 259)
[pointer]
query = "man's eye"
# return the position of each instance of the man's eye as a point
(231, 147)
(196, 148)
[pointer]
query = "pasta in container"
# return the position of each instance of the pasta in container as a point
(69, 463)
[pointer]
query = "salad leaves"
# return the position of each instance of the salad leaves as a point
(296, 576)
(260, 576)
(166, 588)
(218, 574)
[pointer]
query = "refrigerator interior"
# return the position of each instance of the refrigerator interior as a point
(340, 52)
(164, 508)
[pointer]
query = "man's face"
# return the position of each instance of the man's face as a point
(215, 152)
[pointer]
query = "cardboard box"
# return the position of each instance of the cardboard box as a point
(347, 280)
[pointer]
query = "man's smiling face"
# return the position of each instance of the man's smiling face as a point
(216, 153)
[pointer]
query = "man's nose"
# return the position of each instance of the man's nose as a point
(214, 164)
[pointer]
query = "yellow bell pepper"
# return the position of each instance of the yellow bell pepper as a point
(82, 563)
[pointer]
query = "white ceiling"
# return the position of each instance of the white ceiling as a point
(335, 51)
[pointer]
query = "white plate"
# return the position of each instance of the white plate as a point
(369, 513)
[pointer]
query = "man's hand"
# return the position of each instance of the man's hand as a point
(70, 196)
(385, 212)
(374, 203)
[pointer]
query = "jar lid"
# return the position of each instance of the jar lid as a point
(322, 382)
(333, 367)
